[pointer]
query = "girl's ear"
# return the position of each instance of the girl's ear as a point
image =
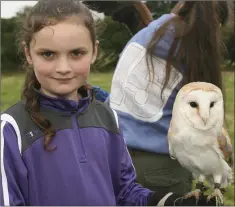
(95, 52)
(27, 53)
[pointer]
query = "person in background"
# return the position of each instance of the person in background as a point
(177, 48)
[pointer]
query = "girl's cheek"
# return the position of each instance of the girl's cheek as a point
(44, 69)
(83, 67)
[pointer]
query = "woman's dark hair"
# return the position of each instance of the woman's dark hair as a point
(44, 13)
(197, 38)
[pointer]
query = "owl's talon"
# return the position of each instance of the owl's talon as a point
(196, 193)
(201, 187)
(218, 197)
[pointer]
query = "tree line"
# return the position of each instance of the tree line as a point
(114, 32)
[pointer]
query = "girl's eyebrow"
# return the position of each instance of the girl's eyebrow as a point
(44, 49)
(79, 48)
(48, 49)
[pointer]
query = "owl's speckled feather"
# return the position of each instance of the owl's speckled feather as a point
(225, 144)
(199, 86)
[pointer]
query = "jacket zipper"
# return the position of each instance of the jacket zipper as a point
(81, 151)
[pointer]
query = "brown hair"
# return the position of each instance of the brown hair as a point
(44, 13)
(197, 38)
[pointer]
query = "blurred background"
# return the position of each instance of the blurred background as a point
(116, 22)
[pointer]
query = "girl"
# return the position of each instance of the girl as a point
(59, 146)
(176, 49)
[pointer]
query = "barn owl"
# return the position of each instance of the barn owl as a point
(198, 140)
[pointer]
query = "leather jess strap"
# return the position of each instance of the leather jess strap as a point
(144, 12)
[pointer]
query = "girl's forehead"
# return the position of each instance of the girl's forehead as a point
(63, 34)
(68, 19)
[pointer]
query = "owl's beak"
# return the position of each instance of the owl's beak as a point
(204, 119)
(204, 113)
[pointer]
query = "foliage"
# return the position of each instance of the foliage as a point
(158, 8)
(113, 38)
(8, 45)
(11, 59)
(229, 40)
(104, 62)
(114, 31)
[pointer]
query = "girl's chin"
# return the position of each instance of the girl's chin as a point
(69, 93)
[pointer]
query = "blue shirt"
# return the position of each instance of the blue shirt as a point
(143, 116)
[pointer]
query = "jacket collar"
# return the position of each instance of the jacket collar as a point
(62, 104)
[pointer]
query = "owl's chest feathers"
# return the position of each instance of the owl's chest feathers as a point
(196, 149)
(196, 138)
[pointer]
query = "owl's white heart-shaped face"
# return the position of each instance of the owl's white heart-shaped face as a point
(200, 108)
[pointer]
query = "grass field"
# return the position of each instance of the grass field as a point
(11, 87)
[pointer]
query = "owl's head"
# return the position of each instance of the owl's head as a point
(200, 105)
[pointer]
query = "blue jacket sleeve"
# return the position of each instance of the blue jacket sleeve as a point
(14, 183)
(131, 193)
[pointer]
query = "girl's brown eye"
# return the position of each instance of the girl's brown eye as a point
(76, 53)
(47, 54)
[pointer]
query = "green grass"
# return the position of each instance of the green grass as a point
(11, 88)
(228, 79)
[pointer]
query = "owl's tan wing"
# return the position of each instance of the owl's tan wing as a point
(169, 137)
(226, 147)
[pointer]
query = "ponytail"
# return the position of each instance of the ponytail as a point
(197, 33)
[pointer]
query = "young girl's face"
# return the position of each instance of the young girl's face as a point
(61, 56)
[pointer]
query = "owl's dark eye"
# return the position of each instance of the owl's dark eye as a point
(193, 104)
(212, 104)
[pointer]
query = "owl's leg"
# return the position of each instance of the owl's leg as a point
(199, 189)
(217, 191)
